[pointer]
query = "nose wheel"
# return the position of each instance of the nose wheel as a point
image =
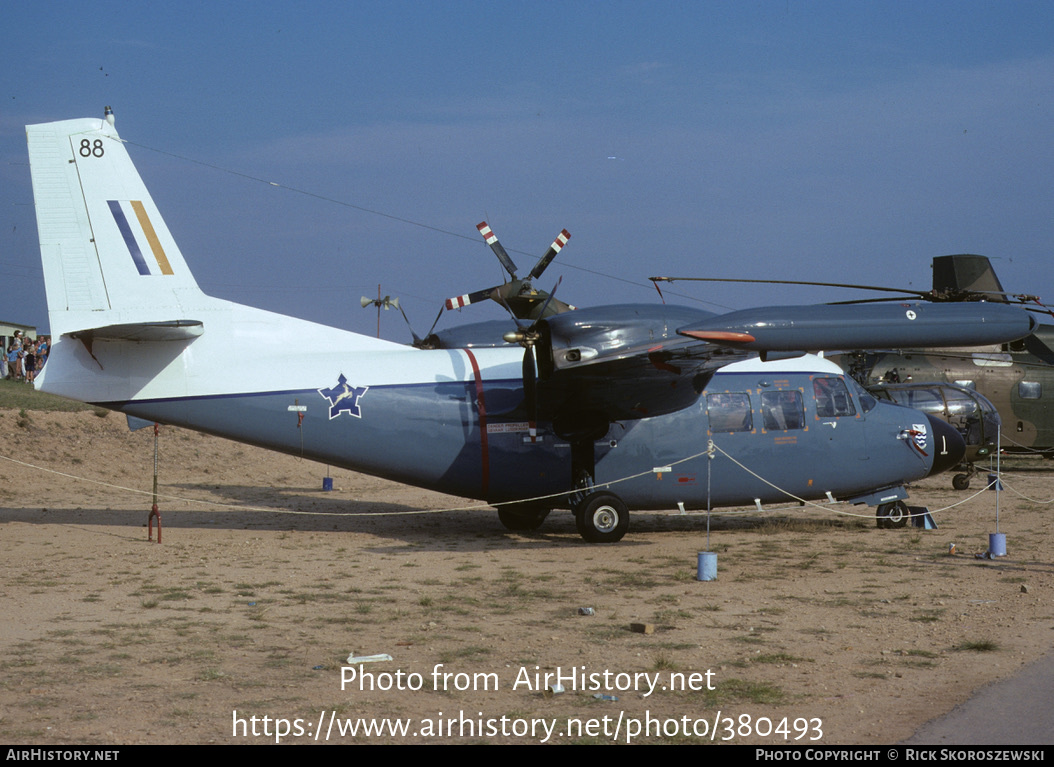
(602, 518)
(893, 515)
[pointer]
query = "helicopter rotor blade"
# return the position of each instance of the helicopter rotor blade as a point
(906, 292)
(499, 251)
(935, 296)
(556, 247)
(458, 302)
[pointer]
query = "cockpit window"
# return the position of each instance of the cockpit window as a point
(867, 400)
(832, 398)
(729, 411)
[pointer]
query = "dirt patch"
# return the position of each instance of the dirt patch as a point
(818, 624)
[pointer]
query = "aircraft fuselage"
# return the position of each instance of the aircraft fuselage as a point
(454, 420)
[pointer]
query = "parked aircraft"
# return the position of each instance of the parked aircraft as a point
(969, 411)
(1017, 376)
(598, 410)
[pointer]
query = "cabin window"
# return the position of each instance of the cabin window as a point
(729, 411)
(782, 410)
(832, 398)
(1029, 390)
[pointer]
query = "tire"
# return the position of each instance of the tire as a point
(893, 515)
(961, 481)
(602, 518)
(520, 520)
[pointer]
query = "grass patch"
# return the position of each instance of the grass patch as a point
(778, 658)
(742, 691)
(981, 645)
(19, 396)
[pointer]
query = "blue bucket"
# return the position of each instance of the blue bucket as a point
(327, 483)
(706, 567)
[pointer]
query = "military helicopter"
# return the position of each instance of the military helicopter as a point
(969, 411)
(1016, 377)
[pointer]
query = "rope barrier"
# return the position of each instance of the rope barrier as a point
(711, 451)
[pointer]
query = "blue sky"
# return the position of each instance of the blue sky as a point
(786, 140)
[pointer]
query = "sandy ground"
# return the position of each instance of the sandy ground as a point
(820, 628)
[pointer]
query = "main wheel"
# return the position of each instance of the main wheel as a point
(522, 520)
(961, 481)
(602, 518)
(893, 515)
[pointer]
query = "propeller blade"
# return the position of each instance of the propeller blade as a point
(429, 341)
(556, 247)
(499, 251)
(548, 299)
(530, 390)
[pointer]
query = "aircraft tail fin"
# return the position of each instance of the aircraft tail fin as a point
(966, 273)
(110, 263)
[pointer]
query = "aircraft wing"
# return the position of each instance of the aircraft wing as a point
(628, 362)
(828, 327)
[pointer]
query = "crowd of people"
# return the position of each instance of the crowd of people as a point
(24, 357)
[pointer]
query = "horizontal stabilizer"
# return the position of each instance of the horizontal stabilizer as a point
(176, 330)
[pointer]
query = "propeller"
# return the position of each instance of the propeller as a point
(528, 337)
(517, 295)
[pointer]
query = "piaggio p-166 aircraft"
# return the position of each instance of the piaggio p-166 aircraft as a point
(599, 410)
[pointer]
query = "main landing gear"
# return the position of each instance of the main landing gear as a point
(600, 517)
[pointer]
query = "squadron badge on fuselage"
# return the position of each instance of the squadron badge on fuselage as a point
(919, 435)
(343, 398)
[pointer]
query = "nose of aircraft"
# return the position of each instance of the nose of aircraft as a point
(949, 447)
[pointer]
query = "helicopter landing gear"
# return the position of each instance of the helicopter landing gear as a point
(893, 515)
(601, 518)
